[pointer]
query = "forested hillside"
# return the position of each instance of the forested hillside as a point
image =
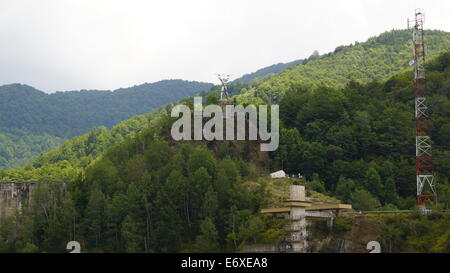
(72, 113)
(376, 59)
(360, 140)
(33, 122)
(437, 39)
(27, 130)
(265, 71)
(396, 233)
(149, 193)
(20, 147)
(67, 161)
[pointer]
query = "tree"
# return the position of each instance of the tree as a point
(363, 200)
(208, 240)
(169, 230)
(316, 184)
(95, 213)
(227, 177)
(29, 248)
(345, 188)
(210, 204)
(212, 98)
(443, 243)
(131, 236)
(252, 230)
(314, 55)
(390, 192)
(373, 182)
(200, 184)
(201, 157)
(391, 238)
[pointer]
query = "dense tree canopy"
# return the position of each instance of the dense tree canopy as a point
(134, 189)
(33, 122)
(378, 59)
(362, 137)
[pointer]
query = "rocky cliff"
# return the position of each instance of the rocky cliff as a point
(13, 195)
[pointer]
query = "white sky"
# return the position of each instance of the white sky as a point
(107, 44)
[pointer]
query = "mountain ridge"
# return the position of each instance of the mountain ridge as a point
(363, 61)
(378, 58)
(271, 69)
(354, 144)
(32, 121)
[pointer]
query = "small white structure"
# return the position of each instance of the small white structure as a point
(278, 174)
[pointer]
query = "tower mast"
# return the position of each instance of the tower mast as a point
(224, 81)
(424, 166)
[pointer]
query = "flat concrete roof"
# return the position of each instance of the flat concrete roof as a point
(276, 210)
(290, 203)
(329, 207)
(308, 206)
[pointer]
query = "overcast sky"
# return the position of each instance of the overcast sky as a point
(95, 44)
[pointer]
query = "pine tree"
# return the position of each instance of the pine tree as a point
(208, 240)
(131, 237)
(390, 192)
(210, 204)
(345, 188)
(95, 213)
(373, 182)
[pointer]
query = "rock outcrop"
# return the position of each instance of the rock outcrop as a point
(13, 195)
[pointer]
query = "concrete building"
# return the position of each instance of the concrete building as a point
(297, 216)
(299, 212)
(278, 174)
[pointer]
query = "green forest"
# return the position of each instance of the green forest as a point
(267, 71)
(139, 191)
(376, 59)
(33, 122)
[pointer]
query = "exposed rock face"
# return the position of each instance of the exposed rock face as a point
(13, 195)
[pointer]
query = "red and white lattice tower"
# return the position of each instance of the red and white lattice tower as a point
(424, 166)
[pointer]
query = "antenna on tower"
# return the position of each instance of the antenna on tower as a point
(224, 79)
(424, 166)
